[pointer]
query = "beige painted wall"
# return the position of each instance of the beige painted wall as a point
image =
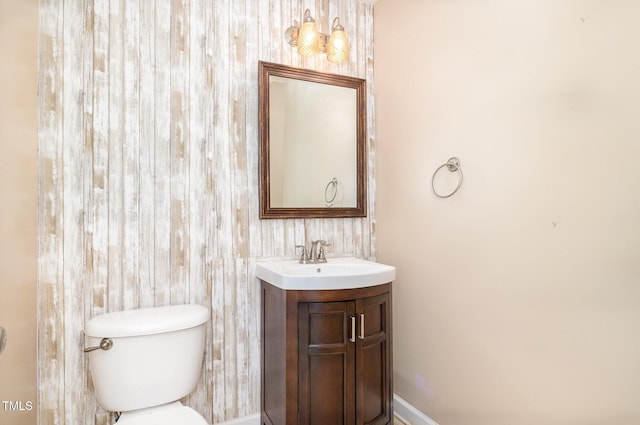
(517, 299)
(148, 180)
(18, 147)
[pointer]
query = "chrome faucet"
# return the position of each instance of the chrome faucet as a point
(315, 253)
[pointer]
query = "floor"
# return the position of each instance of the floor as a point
(397, 421)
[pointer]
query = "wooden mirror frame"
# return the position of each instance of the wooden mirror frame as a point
(266, 70)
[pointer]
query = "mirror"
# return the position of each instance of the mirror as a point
(312, 143)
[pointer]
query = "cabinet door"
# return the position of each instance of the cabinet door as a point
(325, 364)
(373, 361)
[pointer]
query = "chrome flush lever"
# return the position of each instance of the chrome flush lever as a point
(3, 339)
(105, 344)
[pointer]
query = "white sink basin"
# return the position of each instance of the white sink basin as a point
(336, 273)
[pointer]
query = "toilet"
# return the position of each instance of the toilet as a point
(144, 361)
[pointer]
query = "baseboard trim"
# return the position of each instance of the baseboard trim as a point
(403, 410)
(409, 414)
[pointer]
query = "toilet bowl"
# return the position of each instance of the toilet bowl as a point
(144, 361)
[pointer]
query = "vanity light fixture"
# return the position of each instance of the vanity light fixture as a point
(309, 41)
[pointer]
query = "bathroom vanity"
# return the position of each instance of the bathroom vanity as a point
(326, 349)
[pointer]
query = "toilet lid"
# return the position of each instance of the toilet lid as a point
(182, 415)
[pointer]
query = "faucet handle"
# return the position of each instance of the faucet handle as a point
(321, 252)
(304, 257)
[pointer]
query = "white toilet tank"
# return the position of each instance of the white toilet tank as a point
(155, 358)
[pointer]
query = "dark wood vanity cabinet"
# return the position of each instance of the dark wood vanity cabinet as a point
(326, 356)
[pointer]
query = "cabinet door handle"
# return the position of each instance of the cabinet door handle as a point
(361, 336)
(352, 337)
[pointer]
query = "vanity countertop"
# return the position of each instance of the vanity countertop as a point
(336, 273)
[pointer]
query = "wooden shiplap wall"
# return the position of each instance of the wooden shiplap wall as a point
(148, 180)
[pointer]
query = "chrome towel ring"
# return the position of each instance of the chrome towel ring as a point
(453, 165)
(334, 185)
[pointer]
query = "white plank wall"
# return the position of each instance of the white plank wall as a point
(148, 180)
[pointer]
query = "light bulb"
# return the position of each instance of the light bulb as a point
(308, 37)
(338, 46)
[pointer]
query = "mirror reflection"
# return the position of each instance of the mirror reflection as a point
(312, 160)
(312, 143)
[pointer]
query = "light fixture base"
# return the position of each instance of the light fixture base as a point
(291, 36)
